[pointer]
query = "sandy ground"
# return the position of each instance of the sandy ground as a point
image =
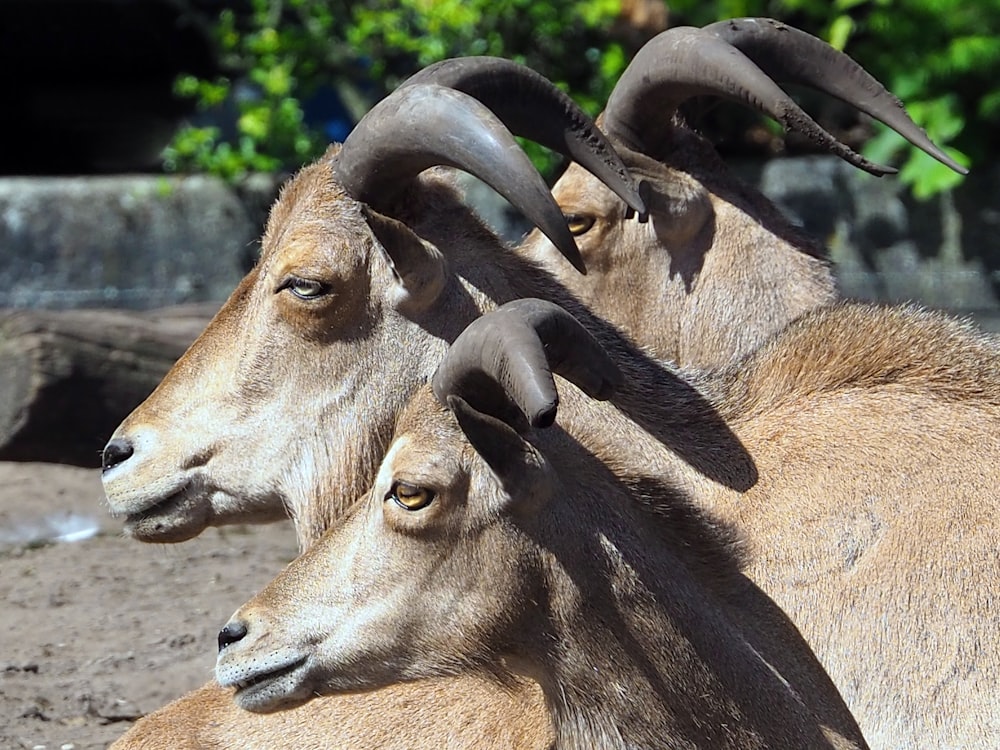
(97, 632)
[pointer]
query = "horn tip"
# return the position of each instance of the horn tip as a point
(571, 252)
(545, 416)
(880, 171)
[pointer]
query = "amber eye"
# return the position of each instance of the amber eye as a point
(410, 497)
(304, 288)
(579, 223)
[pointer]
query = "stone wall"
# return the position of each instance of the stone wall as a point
(886, 246)
(128, 241)
(147, 241)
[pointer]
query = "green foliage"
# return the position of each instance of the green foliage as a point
(270, 133)
(286, 50)
(936, 55)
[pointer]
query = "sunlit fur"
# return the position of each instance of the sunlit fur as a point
(487, 716)
(278, 394)
(714, 271)
(628, 609)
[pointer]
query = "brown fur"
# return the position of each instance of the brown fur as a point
(873, 439)
(207, 719)
(815, 487)
(544, 561)
(714, 271)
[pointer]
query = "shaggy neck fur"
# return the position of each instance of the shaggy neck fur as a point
(654, 637)
(641, 653)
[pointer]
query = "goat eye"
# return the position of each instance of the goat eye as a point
(579, 223)
(410, 497)
(305, 288)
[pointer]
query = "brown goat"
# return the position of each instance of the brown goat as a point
(291, 395)
(349, 282)
(883, 452)
(628, 609)
(715, 269)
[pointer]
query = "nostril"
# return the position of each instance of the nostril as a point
(116, 452)
(233, 632)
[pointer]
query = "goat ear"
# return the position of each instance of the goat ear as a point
(514, 461)
(418, 266)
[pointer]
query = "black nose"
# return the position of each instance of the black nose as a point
(115, 452)
(233, 632)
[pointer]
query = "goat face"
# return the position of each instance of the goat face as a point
(424, 576)
(280, 383)
(295, 385)
(708, 275)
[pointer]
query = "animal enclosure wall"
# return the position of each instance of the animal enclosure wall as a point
(147, 242)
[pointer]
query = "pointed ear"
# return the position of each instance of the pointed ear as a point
(520, 468)
(418, 266)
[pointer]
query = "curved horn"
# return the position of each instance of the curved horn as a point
(502, 363)
(683, 62)
(532, 107)
(421, 126)
(790, 55)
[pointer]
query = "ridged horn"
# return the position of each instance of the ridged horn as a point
(790, 55)
(421, 126)
(683, 62)
(502, 363)
(532, 107)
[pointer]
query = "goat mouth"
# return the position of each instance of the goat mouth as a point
(271, 690)
(175, 518)
(156, 508)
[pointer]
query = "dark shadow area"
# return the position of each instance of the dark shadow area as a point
(88, 84)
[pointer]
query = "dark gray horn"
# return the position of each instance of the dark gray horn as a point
(502, 363)
(790, 55)
(421, 126)
(532, 107)
(683, 62)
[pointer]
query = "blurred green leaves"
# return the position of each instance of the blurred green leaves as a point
(938, 56)
(285, 51)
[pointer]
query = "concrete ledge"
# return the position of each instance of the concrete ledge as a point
(126, 241)
(145, 241)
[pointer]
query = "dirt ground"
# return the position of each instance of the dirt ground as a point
(99, 631)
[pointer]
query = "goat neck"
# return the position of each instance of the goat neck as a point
(635, 621)
(711, 272)
(633, 675)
